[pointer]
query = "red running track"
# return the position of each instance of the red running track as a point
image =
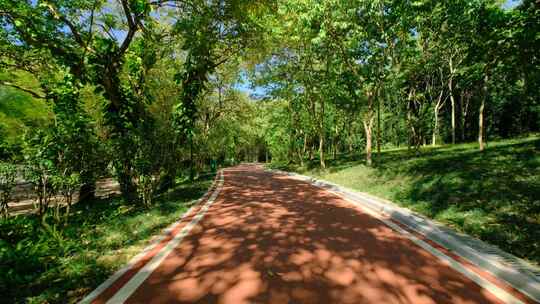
(269, 238)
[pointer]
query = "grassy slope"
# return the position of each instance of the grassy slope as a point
(19, 111)
(494, 195)
(48, 265)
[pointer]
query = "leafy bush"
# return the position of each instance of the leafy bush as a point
(39, 166)
(66, 185)
(8, 173)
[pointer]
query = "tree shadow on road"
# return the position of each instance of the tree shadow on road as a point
(493, 195)
(278, 240)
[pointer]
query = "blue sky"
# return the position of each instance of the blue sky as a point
(511, 3)
(246, 86)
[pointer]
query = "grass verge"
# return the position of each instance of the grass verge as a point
(50, 264)
(492, 195)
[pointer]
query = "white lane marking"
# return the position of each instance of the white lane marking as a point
(129, 288)
(502, 294)
(493, 263)
(103, 286)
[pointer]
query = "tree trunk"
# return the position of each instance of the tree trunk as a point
(435, 127)
(481, 130)
(368, 128)
(127, 186)
(336, 141)
(481, 125)
(350, 137)
(321, 151)
(452, 100)
(321, 135)
(465, 100)
(436, 110)
(379, 126)
(304, 149)
(453, 103)
(191, 171)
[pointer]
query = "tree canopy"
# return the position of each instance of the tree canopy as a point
(146, 90)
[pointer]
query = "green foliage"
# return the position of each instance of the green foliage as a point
(149, 90)
(40, 166)
(19, 112)
(66, 185)
(65, 155)
(491, 195)
(8, 173)
(61, 264)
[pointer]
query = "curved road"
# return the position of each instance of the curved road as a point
(268, 238)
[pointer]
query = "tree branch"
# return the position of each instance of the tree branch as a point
(72, 27)
(132, 28)
(26, 90)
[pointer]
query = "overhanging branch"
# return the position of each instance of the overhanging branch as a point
(21, 88)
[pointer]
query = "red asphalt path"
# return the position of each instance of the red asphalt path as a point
(269, 238)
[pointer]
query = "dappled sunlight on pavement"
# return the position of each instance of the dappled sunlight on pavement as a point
(272, 239)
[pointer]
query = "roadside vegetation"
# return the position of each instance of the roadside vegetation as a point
(42, 262)
(149, 93)
(493, 196)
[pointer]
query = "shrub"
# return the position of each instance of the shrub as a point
(8, 173)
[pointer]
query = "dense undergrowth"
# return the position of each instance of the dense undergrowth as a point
(46, 263)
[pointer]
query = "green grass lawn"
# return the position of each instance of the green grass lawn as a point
(494, 195)
(47, 264)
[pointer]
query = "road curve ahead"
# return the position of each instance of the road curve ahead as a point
(268, 238)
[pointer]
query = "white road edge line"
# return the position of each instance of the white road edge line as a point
(129, 288)
(502, 294)
(103, 286)
(525, 283)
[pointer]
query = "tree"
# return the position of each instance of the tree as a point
(8, 173)
(39, 167)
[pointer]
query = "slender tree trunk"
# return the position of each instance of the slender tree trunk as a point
(412, 130)
(321, 151)
(453, 103)
(481, 125)
(436, 110)
(336, 141)
(292, 147)
(321, 135)
(191, 171)
(465, 100)
(304, 149)
(350, 137)
(461, 101)
(368, 128)
(435, 126)
(452, 100)
(379, 125)
(481, 131)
